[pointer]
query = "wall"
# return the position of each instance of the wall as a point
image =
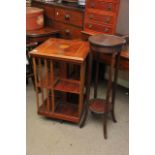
(123, 17)
(122, 28)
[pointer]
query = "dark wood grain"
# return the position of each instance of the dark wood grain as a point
(124, 56)
(98, 106)
(106, 41)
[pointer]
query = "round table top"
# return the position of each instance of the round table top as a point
(43, 32)
(33, 10)
(106, 40)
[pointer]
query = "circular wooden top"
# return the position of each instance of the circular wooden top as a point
(106, 40)
(33, 10)
(43, 32)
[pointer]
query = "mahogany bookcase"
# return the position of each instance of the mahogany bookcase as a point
(53, 83)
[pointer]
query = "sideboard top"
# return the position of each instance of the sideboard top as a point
(73, 6)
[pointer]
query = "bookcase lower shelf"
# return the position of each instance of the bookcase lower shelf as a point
(63, 111)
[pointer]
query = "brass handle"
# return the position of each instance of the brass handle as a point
(106, 29)
(90, 26)
(107, 19)
(91, 16)
(57, 13)
(67, 16)
(109, 8)
(67, 32)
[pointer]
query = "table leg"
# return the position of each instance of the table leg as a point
(35, 76)
(88, 82)
(82, 80)
(96, 76)
(114, 86)
(52, 79)
(108, 94)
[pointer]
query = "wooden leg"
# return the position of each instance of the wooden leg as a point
(108, 94)
(88, 82)
(32, 77)
(35, 76)
(114, 87)
(47, 82)
(82, 80)
(105, 125)
(33, 81)
(41, 80)
(52, 77)
(96, 76)
(27, 81)
(113, 115)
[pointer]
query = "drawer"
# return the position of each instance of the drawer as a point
(103, 5)
(68, 31)
(69, 16)
(101, 17)
(99, 28)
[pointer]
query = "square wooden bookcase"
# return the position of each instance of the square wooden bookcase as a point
(59, 69)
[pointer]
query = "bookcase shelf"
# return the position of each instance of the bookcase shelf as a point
(66, 85)
(64, 111)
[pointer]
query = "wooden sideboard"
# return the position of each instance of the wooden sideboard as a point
(69, 19)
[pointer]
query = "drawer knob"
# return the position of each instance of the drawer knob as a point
(109, 7)
(67, 32)
(106, 29)
(90, 26)
(67, 16)
(57, 13)
(107, 20)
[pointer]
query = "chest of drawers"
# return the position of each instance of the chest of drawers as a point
(101, 16)
(70, 22)
(68, 19)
